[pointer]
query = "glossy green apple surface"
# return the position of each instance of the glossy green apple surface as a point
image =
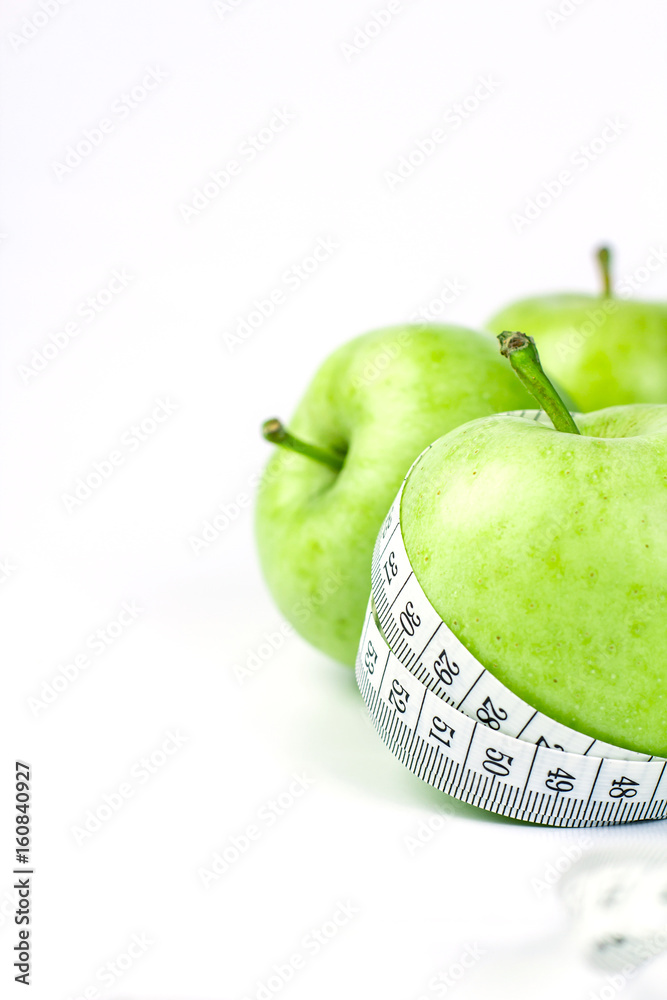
(546, 554)
(603, 351)
(379, 400)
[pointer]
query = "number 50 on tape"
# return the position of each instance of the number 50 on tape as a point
(453, 724)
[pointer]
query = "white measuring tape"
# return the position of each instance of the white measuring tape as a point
(453, 724)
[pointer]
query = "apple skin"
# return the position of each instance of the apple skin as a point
(381, 398)
(546, 554)
(603, 351)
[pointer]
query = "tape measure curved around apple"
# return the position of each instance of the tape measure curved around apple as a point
(456, 726)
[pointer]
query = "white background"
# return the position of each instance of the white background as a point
(220, 72)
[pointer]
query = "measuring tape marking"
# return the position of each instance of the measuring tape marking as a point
(409, 733)
(456, 726)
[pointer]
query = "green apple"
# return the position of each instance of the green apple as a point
(545, 551)
(370, 410)
(603, 350)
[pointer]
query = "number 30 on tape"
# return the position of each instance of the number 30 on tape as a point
(454, 725)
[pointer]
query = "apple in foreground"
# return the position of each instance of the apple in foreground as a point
(602, 350)
(545, 551)
(373, 406)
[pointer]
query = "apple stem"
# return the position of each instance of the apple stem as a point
(275, 432)
(603, 256)
(522, 354)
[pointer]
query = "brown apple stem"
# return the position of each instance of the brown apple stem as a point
(603, 257)
(275, 432)
(522, 354)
